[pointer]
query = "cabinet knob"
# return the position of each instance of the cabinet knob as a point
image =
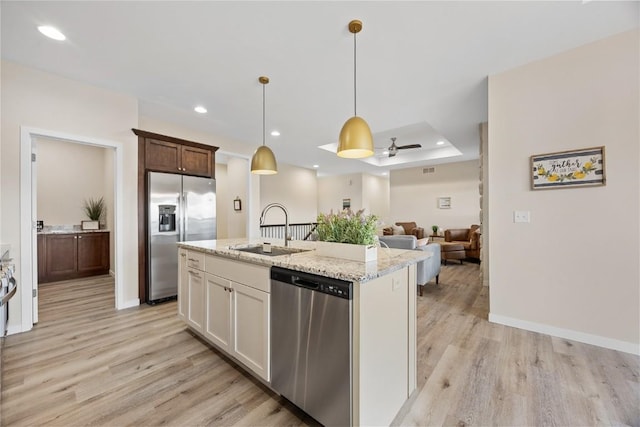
(75, 237)
(230, 289)
(79, 237)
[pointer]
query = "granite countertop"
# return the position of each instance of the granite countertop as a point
(389, 260)
(69, 231)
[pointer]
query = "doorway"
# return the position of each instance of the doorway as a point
(28, 207)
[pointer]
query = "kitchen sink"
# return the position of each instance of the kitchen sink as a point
(275, 250)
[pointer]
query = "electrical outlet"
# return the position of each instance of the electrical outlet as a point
(521, 216)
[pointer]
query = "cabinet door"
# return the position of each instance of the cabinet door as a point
(218, 311)
(183, 280)
(93, 253)
(162, 156)
(195, 307)
(61, 256)
(251, 339)
(196, 161)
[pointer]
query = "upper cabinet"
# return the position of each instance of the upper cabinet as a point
(166, 156)
(162, 153)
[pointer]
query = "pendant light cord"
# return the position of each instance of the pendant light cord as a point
(355, 97)
(263, 115)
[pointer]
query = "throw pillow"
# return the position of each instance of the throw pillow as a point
(397, 229)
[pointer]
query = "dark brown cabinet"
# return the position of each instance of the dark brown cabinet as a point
(73, 255)
(167, 156)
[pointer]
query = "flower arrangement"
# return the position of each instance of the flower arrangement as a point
(347, 227)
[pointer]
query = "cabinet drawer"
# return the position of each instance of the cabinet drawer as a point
(195, 260)
(248, 274)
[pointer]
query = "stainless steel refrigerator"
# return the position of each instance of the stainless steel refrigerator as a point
(181, 208)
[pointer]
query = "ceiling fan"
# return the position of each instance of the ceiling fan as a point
(393, 148)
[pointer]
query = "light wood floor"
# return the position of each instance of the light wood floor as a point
(87, 364)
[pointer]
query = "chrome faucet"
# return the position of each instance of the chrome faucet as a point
(286, 219)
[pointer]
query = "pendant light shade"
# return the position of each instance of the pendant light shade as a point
(263, 161)
(355, 140)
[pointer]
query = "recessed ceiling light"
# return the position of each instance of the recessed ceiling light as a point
(51, 32)
(316, 166)
(385, 152)
(384, 173)
(440, 143)
(200, 109)
(275, 133)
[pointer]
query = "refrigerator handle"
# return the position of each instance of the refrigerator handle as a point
(185, 215)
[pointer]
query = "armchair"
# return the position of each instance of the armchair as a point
(411, 228)
(427, 269)
(467, 237)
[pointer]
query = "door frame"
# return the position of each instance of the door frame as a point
(28, 234)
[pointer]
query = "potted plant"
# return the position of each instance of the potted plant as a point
(435, 228)
(347, 235)
(95, 210)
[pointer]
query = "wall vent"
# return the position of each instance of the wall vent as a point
(429, 170)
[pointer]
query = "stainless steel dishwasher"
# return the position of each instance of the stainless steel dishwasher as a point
(311, 344)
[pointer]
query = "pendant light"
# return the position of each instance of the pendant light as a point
(355, 137)
(263, 161)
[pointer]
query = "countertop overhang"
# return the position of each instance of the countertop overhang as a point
(389, 260)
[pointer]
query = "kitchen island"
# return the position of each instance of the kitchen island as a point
(224, 295)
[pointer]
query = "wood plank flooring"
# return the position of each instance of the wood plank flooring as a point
(88, 364)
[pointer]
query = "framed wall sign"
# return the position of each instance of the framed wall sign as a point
(567, 169)
(346, 203)
(237, 204)
(444, 202)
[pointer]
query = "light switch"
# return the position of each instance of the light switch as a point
(521, 216)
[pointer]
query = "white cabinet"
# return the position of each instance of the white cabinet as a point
(228, 302)
(191, 288)
(182, 285)
(237, 321)
(218, 312)
(195, 300)
(250, 328)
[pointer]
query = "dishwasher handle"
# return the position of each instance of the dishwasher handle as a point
(309, 284)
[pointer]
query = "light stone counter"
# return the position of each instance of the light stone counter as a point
(69, 231)
(389, 260)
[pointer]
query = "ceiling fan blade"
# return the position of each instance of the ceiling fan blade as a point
(406, 147)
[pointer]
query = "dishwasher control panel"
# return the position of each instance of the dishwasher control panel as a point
(326, 285)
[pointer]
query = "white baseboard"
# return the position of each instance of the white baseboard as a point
(130, 303)
(600, 341)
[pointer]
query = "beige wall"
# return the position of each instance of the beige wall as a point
(68, 174)
(375, 196)
(45, 101)
(294, 187)
(332, 189)
(414, 195)
(237, 180)
(572, 271)
(178, 131)
(222, 201)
